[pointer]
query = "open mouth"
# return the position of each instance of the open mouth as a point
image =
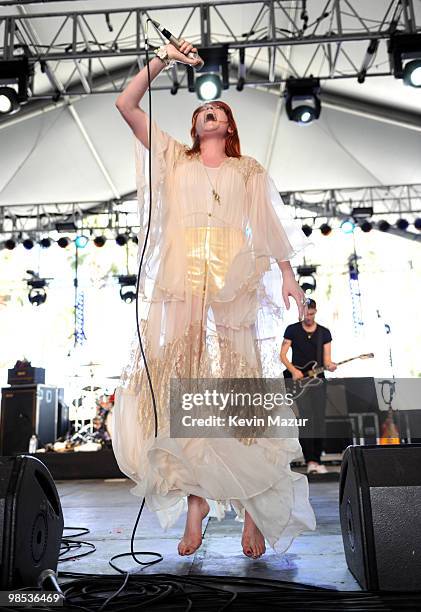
(210, 116)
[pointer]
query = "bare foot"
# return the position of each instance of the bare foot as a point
(253, 541)
(198, 508)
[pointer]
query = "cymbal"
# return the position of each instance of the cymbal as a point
(89, 365)
(113, 377)
(90, 388)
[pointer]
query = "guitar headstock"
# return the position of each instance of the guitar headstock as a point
(367, 356)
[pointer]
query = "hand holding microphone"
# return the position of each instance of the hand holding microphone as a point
(179, 50)
(185, 53)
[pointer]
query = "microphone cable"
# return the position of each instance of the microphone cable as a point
(133, 553)
(157, 557)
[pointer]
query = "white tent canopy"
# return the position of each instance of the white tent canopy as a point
(84, 152)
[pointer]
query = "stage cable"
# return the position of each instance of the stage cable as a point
(133, 554)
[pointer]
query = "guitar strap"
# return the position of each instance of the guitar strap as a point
(319, 346)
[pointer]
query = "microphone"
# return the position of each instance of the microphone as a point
(176, 42)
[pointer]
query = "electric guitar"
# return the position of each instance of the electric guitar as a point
(311, 372)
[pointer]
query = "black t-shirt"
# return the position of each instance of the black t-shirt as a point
(304, 349)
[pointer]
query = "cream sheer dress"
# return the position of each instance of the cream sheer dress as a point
(210, 295)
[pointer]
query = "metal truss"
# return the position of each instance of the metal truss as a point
(331, 34)
(388, 202)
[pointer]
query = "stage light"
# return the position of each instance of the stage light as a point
(135, 239)
(28, 244)
(121, 239)
(63, 242)
(412, 73)
(45, 243)
(402, 224)
(348, 226)
(362, 212)
(306, 278)
(383, 225)
(366, 226)
(9, 101)
(417, 223)
(81, 241)
(213, 77)
(208, 87)
(302, 102)
(99, 241)
(127, 282)
(307, 229)
(37, 294)
(16, 80)
(325, 229)
(405, 54)
(65, 226)
(10, 244)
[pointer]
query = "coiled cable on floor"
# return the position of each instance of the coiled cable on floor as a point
(167, 592)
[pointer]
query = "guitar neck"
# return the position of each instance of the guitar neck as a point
(321, 369)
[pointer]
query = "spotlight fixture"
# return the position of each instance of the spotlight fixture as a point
(213, 77)
(412, 73)
(402, 224)
(306, 278)
(325, 229)
(366, 226)
(99, 241)
(28, 244)
(348, 226)
(405, 58)
(81, 241)
(45, 243)
(302, 102)
(37, 294)
(362, 212)
(383, 225)
(417, 223)
(208, 86)
(63, 242)
(121, 239)
(127, 282)
(307, 229)
(9, 101)
(10, 244)
(65, 226)
(15, 80)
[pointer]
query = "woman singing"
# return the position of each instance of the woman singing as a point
(216, 271)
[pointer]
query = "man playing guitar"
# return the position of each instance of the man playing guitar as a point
(310, 342)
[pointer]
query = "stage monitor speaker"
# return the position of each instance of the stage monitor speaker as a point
(31, 521)
(63, 422)
(27, 410)
(380, 512)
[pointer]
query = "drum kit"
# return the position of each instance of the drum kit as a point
(90, 412)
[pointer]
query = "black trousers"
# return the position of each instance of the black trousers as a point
(312, 406)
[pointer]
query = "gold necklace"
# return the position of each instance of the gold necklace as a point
(215, 194)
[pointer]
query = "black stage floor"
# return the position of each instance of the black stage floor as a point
(109, 510)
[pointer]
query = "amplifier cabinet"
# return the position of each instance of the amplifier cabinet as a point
(27, 410)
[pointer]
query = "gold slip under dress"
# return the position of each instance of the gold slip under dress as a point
(210, 298)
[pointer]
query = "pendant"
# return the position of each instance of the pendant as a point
(216, 196)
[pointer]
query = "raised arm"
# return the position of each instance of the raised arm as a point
(128, 101)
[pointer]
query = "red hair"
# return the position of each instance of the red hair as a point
(232, 141)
